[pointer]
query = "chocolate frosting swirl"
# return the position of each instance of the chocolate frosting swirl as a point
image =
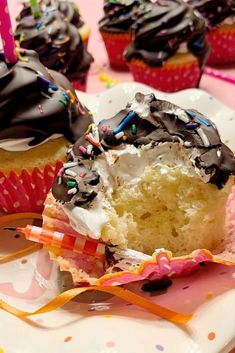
(214, 11)
(38, 103)
(156, 121)
(120, 15)
(161, 30)
(68, 9)
(57, 42)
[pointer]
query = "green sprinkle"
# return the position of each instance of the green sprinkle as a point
(71, 183)
(133, 129)
(63, 101)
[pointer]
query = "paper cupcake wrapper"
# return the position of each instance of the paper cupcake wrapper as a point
(27, 191)
(222, 44)
(115, 44)
(169, 78)
(162, 263)
(68, 295)
(79, 86)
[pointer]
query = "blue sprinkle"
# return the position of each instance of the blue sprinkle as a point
(192, 114)
(203, 121)
(198, 118)
(66, 96)
(54, 87)
(126, 120)
(39, 24)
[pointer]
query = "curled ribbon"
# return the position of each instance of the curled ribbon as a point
(122, 293)
(65, 297)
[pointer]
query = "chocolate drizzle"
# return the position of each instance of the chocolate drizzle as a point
(162, 28)
(214, 11)
(147, 121)
(37, 103)
(57, 42)
(120, 15)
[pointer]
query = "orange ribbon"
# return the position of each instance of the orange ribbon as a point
(122, 293)
(65, 297)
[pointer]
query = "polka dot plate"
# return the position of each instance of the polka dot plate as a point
(100, 323)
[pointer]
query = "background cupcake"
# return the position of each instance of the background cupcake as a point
(39, 118)
(115, 28)
(169, 47)
(58, 44)
(68, 10)
(220, 19)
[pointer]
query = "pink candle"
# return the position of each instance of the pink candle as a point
(7, 36)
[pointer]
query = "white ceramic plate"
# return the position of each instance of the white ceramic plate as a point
(110, 325)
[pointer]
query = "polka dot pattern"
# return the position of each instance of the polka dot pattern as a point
(159, 348)
(8, 41)
(110, 344)
(222, 47)
(167, 79)
(67, 339)
(211, 336)
(26, 192)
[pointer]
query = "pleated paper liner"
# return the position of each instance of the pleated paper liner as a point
(26, 191)
(162, 264)
(115, 44)
(79, 86)
(222, 42)
(168, 78)
(68, 295)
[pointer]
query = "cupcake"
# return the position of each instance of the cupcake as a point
(68, 10)
(115, 28)
(58, 44)
(220, 19)
(39, 118)
(169, 47)
(153, 176)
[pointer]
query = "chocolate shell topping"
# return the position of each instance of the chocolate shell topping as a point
(57, 42)
(120, 15)
(214, 11)
(68, 10)
(145, 123)
(37, 103)
(165, 25)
